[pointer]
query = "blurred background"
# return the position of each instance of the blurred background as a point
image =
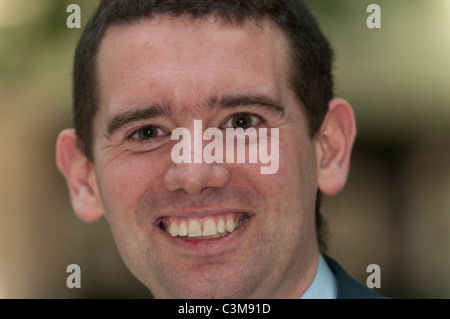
(394, 212)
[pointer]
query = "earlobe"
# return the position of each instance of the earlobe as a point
(80, 177)
(334, 144)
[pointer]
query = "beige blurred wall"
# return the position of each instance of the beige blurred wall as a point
(394, 212)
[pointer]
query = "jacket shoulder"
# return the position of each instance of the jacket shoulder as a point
(349, 288)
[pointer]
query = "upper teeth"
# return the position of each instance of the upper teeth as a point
(211, 227)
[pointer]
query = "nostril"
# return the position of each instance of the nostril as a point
(194, 177)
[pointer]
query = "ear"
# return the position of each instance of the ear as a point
(334, 144)
(80, 176)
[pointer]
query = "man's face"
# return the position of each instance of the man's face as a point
(162, 74)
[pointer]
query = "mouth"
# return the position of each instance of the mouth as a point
(203, 228)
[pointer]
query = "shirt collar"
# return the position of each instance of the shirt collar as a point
(324, 284)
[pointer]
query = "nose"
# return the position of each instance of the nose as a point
(194, 178)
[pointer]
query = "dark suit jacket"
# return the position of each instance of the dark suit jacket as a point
(349, 288)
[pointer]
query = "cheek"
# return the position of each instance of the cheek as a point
(287, 178)
(292, 188)
(127, 179)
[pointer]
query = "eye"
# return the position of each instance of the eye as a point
(242, 120)
(147, 133)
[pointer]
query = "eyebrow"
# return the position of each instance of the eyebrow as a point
(144, 113)
(232, 101)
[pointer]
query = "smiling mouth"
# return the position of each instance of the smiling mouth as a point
(207, 227)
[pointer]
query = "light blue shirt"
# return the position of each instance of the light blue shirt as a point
(324, 284)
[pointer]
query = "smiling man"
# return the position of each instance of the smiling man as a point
(219, 229)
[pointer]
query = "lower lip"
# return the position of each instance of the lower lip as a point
(211, 245)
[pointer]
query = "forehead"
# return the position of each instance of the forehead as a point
(184, 62)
